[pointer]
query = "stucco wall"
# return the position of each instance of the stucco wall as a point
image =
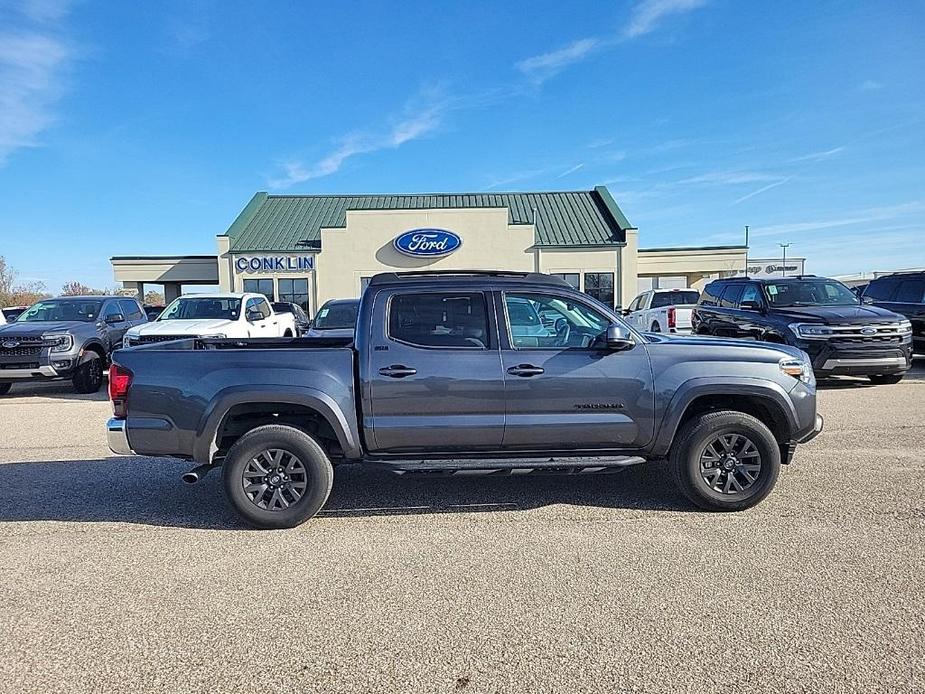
(365, 246)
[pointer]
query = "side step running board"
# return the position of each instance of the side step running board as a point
(514, 466)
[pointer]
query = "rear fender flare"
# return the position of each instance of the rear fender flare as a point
(770, 392)
(205, 446)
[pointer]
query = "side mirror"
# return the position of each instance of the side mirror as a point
(619, 337)
(750, 306)
(625, 312)
(867, 300)
(115, 318)
(253, 316)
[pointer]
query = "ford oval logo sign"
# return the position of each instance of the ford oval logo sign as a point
(868, 331)
(427, 243)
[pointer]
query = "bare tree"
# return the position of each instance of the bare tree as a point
(76, 288)
(18, 294)
(153, 298)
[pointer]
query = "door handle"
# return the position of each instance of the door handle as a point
(397, 371)
(526, 370)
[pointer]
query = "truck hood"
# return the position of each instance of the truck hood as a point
(183, 327)
(773, 351)
(838, 315)
(39, 329)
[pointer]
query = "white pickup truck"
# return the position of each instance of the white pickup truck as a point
(663, 310)
(214, 315)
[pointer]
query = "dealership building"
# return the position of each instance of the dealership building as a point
(310, 248)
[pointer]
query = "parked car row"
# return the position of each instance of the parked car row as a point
(844, 335)
(73, 337)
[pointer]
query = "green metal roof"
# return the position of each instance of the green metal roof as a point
(294, 222)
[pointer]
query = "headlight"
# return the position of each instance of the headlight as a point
(798, 368)
(905, 328)
(811, 331)
(127, 340)
(59, 343)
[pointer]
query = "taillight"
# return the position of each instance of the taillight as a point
(120, 379)
(671, 318)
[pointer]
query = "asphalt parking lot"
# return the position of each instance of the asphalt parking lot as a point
(117, 577)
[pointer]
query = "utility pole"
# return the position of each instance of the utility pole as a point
(783, 265)
(746, 250)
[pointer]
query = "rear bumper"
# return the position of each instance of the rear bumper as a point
(117, 438)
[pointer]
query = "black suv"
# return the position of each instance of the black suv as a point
(68, 337)
(821, 316)
(902, 293)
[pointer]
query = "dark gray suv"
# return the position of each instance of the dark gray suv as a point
(69, 337)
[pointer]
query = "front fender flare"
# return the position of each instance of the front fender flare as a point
(770, 392)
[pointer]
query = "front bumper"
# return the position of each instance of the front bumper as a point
(835, 359)
(36, 372)
(814, 432)
(117, 438)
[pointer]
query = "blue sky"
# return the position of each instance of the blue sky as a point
(144, 128)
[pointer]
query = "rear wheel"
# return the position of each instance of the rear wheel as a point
(725, 461)
(277, 476)
(89, 375)
(885, 379)
(5, 388)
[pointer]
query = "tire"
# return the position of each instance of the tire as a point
(288, 333)
(706, 436)
(886, 379)
(89, 375)
(656, 328)
(277, 506)
(5, 388)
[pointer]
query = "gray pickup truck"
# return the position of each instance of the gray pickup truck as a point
(462, 373)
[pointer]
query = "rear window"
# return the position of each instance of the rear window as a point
(339, 316)
(457, 319)
(674, 298)
(711, 294)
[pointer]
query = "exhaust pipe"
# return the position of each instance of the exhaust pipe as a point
(196, 474)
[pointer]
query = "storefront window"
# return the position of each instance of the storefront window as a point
(600, 286)
(294, 292)
(570, 277)
(264, 286)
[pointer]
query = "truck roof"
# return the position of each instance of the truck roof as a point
(457, 276)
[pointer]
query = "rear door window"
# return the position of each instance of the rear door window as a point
(882, 289)
(731, 295)
(440, 319)
(130, 309)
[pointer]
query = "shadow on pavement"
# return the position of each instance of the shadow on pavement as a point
(149, 491)
(63, 390)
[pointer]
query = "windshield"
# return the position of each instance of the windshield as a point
(84, 310)
(189, 308)
(337, 316)
(674, 298)
(809, 293)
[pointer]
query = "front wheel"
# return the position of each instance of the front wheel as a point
(885, 379)
(725, 461)
(277, 476)
(88, 378)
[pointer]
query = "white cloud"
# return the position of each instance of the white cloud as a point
(865, 216)
(644, 18)
(571, 170)
(45, 10)
(647, 14)
(727, 178)
(416, 123)
(819, 156)
(31, 66)
(870, 85)
(543, 66)
(763, 189)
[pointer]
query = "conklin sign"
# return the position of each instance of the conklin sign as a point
(275, 263)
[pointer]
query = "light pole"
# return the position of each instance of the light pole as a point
(783, 265)
(746, 250)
